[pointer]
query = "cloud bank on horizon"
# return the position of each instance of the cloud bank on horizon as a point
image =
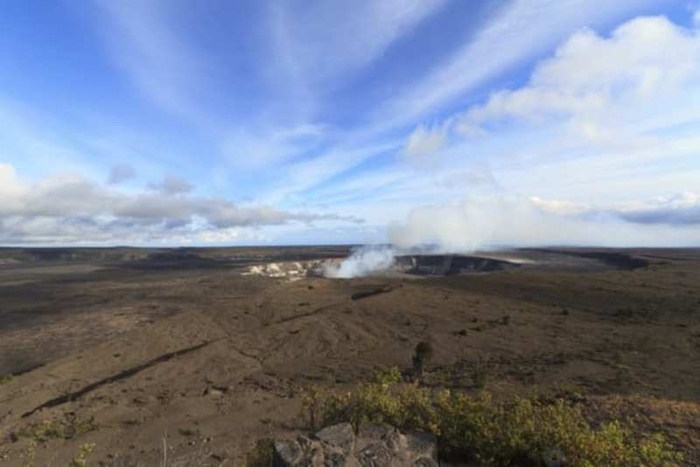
(466, 124)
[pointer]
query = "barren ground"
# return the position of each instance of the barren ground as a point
(179, 348)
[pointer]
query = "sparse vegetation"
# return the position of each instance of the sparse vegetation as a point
(30, 454)
(68, 428)
(261, 455)
(421, 357)
(521, 431)
(482, 370)
(563, 339)
(80, 459)
(310, 400)
(42, 431)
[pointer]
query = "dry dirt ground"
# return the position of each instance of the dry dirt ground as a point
(143, 352)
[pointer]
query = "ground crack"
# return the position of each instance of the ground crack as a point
(310, 313)
(111, 379)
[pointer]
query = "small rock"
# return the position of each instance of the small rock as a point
(213, 392)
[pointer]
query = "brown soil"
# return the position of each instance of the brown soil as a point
(179, 348)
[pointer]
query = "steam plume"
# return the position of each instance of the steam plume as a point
(480, 224)
(361, 262)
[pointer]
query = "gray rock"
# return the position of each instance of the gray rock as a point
(340, 435)
(374, 445)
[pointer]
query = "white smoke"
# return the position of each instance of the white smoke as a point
(361, 262)
(486, 223)
(479, 224)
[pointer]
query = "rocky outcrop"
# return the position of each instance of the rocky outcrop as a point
(373, 445)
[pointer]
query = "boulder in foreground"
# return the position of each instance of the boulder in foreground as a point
(373, 445)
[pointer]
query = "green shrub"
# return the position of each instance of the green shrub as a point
(519, 432)
(4, 379)
(404, 406)
(391, 376)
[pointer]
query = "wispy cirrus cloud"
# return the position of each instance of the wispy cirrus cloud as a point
(305, 110)
(497, 47)
(321, 44)
(520, 31)
(619, 99)
(600, 124)
(164, 67)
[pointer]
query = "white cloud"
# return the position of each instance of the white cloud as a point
(605, 119)
(172, 185)
(523, 29)
(602, 124)
(10, 184)
(613, 117)
(68, 208)
(645, 59)
(489, 222)
(424, 141)
(680, 209)
(468, 177)
(559, 207)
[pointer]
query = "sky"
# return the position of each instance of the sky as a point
(462, 123)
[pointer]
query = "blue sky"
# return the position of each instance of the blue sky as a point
(467, 123)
